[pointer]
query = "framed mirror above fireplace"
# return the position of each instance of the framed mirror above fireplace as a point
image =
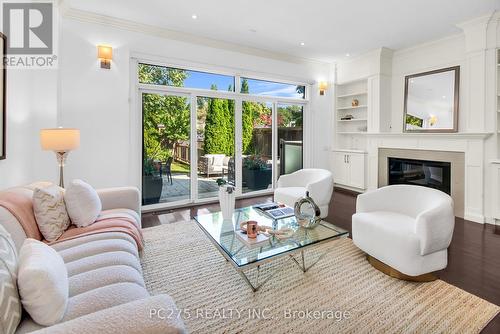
(431, 101)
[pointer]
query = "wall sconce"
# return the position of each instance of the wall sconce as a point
(323, 85)
(105, 55)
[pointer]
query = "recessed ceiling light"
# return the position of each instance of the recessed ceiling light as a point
(302, 43)
(194, 16)
(347, 55)
(444, 96)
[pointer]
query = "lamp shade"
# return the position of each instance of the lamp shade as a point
(60, 139)
(104, 52)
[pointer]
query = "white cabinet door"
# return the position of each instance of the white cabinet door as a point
(357, 170)
(340, 168)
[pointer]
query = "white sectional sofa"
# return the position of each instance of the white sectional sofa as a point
(107, 293)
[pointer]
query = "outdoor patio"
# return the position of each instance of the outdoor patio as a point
(181, 183)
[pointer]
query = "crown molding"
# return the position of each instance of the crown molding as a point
(368, 54)
(435, 42)
(94, 18)
(481, 20)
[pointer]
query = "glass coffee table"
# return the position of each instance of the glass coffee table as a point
(245, 257)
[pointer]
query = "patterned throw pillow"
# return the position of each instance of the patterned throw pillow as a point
(10, 305)
(50, 212)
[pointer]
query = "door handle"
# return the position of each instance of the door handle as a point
(345, 158)
(348, 159)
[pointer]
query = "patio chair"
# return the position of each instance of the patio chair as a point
(168, 169)
(211, 164)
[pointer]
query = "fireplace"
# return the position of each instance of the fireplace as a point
(432, 174)
(443, 170)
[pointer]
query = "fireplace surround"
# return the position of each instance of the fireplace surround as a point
(443, 170)
(431, 174)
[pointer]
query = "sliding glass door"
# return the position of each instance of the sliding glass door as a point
(215, 144)
(248, 133)
(257, 146)
(271, 145)
(290, 134)
(166, 148)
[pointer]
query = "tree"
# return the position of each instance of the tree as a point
(166, 118)
(219, 126)
(290, 115)
(244, 86)
(161, 75)
(301, 90)
(215, 141)
(247, 127)
(166, 122)
(247, 120)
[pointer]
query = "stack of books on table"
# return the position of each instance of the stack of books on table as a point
(260, 241)
(275, 211)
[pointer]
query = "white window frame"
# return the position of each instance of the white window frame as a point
(137, 89)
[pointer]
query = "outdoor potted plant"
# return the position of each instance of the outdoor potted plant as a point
(152, 183)
(256, 173)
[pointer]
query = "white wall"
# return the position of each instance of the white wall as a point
(443, 53)
(98, 101)
(31, 105)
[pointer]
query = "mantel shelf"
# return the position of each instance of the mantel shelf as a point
(457, 135)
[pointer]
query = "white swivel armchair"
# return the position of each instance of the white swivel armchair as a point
(407, 228)
(292, 187)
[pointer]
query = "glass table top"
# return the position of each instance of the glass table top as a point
(222, 233)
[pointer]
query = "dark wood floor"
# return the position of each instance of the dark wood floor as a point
(473, 256)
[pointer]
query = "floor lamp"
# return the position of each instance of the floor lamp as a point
(61, 141)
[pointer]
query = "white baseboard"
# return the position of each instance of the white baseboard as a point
(477, 218)
(357, 190)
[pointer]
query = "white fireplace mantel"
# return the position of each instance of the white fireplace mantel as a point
(471, 144)
(456, 135)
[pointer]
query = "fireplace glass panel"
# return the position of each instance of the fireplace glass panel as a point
(432, 174)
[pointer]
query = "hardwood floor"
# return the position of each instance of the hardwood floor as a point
(473, 256)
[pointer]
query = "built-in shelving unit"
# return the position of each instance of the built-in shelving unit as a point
(352, 101)
(352, 94)
(349, 154)
(354, 120)
(352, 107)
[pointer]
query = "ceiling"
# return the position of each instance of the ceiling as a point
(329, 29)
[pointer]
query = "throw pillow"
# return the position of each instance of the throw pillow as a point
(82, 203)
(43, 282)
(10, 305)
(50, 211)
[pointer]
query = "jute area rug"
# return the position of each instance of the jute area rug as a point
(342, 293)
